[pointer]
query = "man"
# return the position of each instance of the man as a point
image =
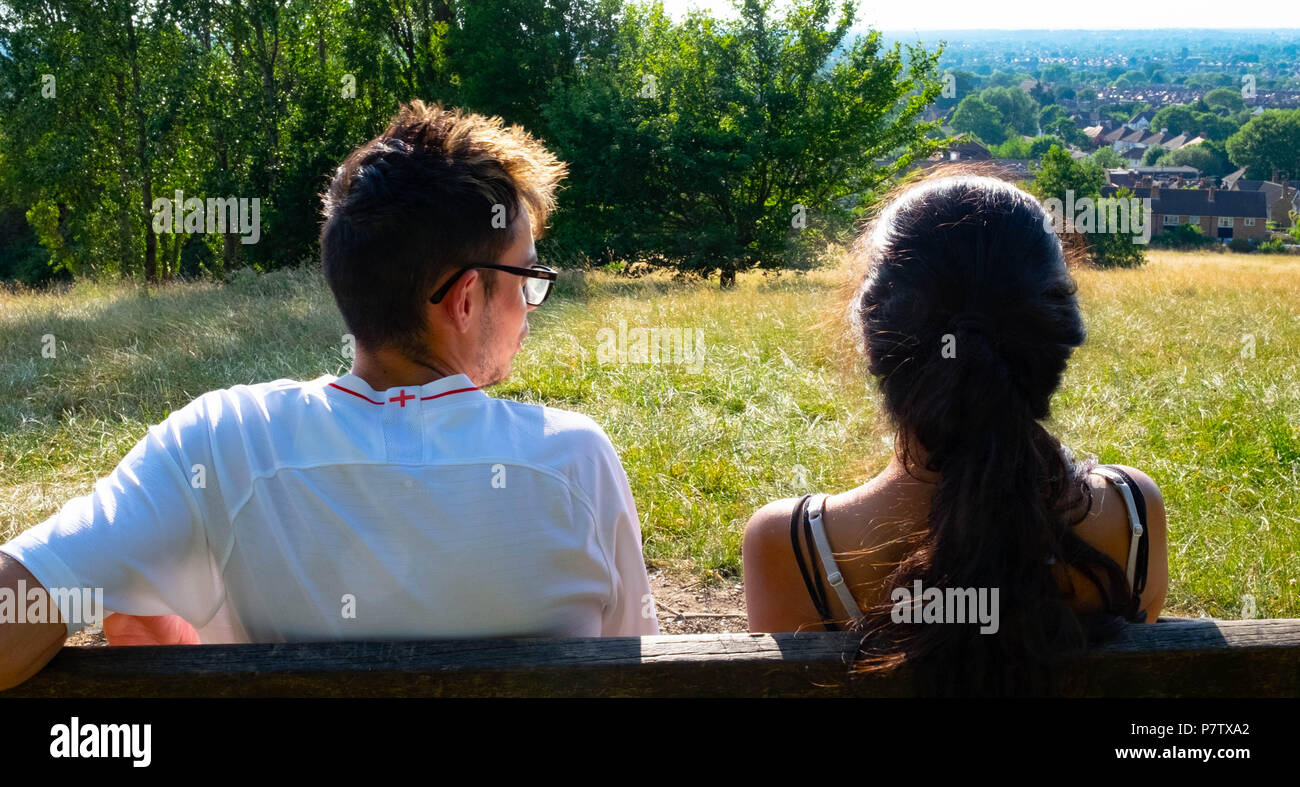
(396, 501)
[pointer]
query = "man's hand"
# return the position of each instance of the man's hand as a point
(149, 630)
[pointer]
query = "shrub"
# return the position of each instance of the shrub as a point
(1183, 236)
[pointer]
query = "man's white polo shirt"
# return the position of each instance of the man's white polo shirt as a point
(291, 511)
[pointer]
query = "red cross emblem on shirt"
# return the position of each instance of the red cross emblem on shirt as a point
(402, 399)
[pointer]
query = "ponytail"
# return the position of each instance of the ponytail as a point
(967, 318)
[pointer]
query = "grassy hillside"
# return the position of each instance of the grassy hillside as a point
(1166, 383)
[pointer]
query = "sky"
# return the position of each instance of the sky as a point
(1040, 15)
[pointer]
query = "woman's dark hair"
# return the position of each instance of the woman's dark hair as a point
(967, 316)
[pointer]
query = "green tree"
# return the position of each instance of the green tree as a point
(1040, 145)
(90, 202)
(1116, 249)
(1050, 113)
(719, 145)
(1059, 178)
(1015, 147)
(1224, 101)
(1177, 119)
(1056, 73)
(1209, 158)
(964, 83)
(1015, 106)
(1106, 158)
(1000, 78)
(402, 47)
(1211, 126)
(508, 55)
(1068, 131)
(976, 116)
(1268, 143)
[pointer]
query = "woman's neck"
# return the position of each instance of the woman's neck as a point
(917, 458)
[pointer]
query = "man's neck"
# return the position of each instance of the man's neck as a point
(386, 369)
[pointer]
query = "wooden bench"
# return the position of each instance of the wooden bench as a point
(1177, 657)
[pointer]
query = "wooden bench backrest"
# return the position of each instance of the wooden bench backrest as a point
(1174, 658)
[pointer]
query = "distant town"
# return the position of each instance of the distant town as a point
(1204, 123)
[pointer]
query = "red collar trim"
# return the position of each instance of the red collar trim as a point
(403, 398)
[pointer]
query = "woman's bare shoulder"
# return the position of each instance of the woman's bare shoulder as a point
(1151, 496)
(766, 532)
(1107, 528)
(775, 598)
(771, 517)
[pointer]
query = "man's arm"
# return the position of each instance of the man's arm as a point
(24, 647)
(136, 544)
(120, 629)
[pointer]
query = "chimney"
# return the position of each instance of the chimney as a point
(1155, 190)
(1210, 198)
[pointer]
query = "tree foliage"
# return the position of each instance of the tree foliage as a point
(1077, 184)
(1269, 143)
(716, 146)
(759, 139)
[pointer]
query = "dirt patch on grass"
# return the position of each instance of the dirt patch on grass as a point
(690, 605)
(88, 637)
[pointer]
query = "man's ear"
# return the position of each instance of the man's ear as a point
(461, 301)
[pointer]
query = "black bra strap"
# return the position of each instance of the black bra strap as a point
(817, 592)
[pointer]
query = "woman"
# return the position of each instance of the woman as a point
(966, 313)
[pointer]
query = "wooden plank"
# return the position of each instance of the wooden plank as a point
(1192, 658)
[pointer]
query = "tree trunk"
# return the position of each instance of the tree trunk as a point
(150, 239)
(142, 150)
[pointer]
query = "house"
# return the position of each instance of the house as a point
(1095, 134)
(1286, 204)
(963, 151)
(1163, 176)
(1281, 197)
(1226, 215)
(1174, 143)
(1141, 121)
(1122, 178)
(1230, 181)
(1158, 174)
(1133, 156)
(1156, 138)
(1130, 140)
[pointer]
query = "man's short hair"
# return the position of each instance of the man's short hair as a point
(439, 190)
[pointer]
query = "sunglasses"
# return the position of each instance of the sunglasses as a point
(537, 283)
